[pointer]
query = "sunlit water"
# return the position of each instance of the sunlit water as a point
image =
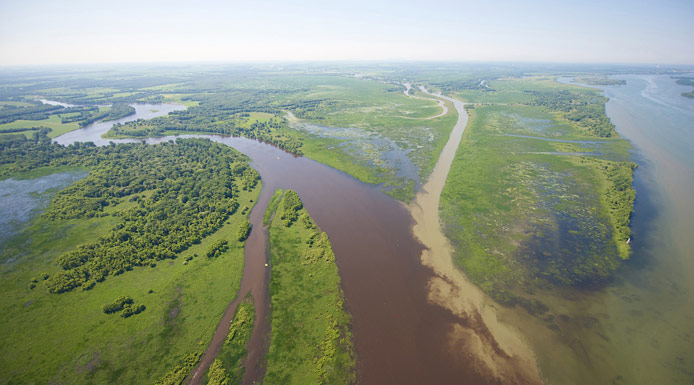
(639, 328)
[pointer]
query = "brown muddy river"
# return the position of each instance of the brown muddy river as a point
(400, 337)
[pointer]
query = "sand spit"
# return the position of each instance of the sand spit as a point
(497, 349)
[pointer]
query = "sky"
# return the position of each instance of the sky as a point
(42, 32)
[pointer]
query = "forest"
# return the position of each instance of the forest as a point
(167, 197)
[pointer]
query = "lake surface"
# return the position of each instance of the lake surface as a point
(638, 329)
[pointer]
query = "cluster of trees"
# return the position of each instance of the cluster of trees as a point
(244, 230)
(38, 111)
(125, 305)
(85, 115)
(588, 111)
(178, 373)
(212, 118)
(217, 249)
(620, 196)
(290, 210)
(182, 192)
(451, 86)
(88, 115)
(312, 109)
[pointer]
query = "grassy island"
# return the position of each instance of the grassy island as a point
(311, 341)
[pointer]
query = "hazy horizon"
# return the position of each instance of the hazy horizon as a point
(39, 32)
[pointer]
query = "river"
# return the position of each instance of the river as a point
(417, 320)
(399, 335)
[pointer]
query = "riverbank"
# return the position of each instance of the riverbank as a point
(498, 349)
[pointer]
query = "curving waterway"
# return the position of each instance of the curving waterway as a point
(416, 318)
(400, 335)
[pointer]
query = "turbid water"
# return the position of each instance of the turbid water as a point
(496, 349)
(400, 336)
(417, 320)
(639, 328)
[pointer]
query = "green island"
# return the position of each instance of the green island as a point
(139, 236)
(228, 367)
(311, 340)
(540, 191)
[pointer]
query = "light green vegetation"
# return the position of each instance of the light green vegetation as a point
(600, 81)
(372, 131)
(534, 197)
(311, 341)
(228, 368)
(54, 122)
(272, 206)
(67, 338)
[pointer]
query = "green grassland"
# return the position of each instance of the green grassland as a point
(311, 341)
(534, 198)
(67, 338)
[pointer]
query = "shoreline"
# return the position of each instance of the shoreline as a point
(499, 349)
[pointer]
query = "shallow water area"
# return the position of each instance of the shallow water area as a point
(639, 327)
(23, 199)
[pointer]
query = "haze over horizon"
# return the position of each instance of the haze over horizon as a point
(79, 32)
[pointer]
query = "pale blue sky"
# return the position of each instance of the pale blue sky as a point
(97, 31)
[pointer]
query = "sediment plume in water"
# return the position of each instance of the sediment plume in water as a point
(497, 349)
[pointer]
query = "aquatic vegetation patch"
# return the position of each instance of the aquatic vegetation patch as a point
(526, 209)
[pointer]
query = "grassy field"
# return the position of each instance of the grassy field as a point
(311, 341)
(67, 338)
(532, 198)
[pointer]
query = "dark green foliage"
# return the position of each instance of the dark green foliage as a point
(125, 305)
(291, 207)
(217, 114)
(129, 310)
(38, 111)
(178, 374)
(243, 231)
(217, 249)
(181, 191)
(588, 111)
(117, 304)
(619, 197)
(89, 115)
